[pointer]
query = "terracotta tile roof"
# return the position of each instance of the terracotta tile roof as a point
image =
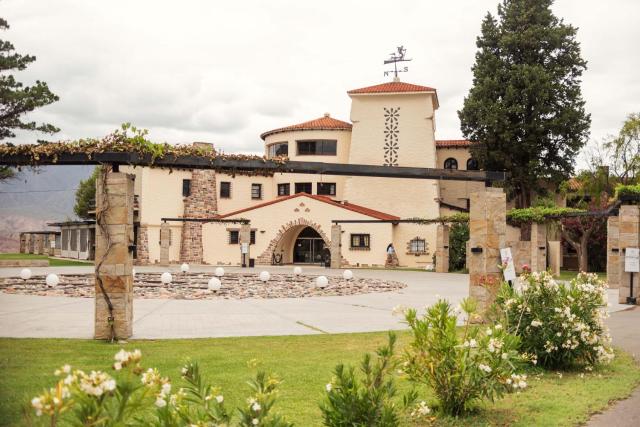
(452, 143)
(323, 123)
(391, 87)
(344, 205)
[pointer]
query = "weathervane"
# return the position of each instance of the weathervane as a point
(395, 58)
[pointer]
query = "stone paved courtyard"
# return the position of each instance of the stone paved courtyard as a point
(72, 317)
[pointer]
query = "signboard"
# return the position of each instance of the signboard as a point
(244, 248)
(52, 244)
(509, 271)
(632, 260)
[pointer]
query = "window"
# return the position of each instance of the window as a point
(256, 191)
(278, 149)
(320, 147)
(225, 190)
(472, 164)
(360, 241)
(418, 245)
(186, 187)
(327, 188)
(451, 163)
(284, 189)
(303, 187)
(234, 237)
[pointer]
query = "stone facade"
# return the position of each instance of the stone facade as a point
(487, 234)
(142, 251)
(442, 249)
(165, 243)
(114, 261)
(613, 253)
(336, 246)
(266, 256)
(201, 203)
(538, 247)
(629, 237)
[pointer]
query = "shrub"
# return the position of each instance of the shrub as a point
(561, 326)
(461, 369)
(458, 237)
(351, 401)
(142, 397)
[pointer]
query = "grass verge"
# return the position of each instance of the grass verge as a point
(53, 262)
(305, 364)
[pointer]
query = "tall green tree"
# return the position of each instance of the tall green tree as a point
(525, 110)
(86, 195)
(16, 99)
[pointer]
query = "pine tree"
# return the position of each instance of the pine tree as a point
(16, 100)
(525, 110)
(86, 195)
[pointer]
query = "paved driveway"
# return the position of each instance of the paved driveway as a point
(66, 317)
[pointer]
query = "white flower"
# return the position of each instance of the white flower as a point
(536, 323)
(489, 331)
(66, 369)
(423, 409)
(485, 368)
(328, 387)
(166, 388)
(117, 366)
(160, 402)
(473, 343)
(219, 398)
(255, 421)
(184, 370)
(504, 356)
(256, 407)
(498, 327)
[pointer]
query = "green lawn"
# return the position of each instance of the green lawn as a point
(305, 364)
(53, 262)
(568, 275)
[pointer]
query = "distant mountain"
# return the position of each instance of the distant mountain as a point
(36, 197)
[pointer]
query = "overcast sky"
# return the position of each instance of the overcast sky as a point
(225, 71)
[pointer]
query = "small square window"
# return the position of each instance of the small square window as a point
(304, 187)
(360, 241)
(418, 245)
(186, 187)
(225, 190)
(284, 189)
(256, 191)
(234, 237)
(327, 188)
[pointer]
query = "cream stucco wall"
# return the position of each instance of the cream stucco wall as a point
(456, 192)
(404, 233)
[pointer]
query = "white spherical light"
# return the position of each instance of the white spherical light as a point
(264, 276)
(297, 271)
(214, 284)
(52, 280)
(322, 282)
(347, 274)
(133, 271)
(166, 277)
(184, 268)
(219, 271)
(25, 274)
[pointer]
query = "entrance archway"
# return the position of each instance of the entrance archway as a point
(281, 247)
(308, 247)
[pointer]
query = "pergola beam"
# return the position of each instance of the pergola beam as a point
(265, 166)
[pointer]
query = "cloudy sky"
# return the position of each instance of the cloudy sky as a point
(225, 71)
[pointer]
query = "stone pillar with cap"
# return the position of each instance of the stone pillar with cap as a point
(613, 252)
(442, 248)
(336, 246)
(114, 256)
(165, 243)
(538, 247)
(629, 237)
(245, 241)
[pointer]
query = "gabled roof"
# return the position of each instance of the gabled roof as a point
(323, 123)
(344, 205)
(391, 87)
(453, 143)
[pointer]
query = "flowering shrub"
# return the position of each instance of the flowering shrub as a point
(480, 364)
(142, 397)
(560, 326)
(350, 401)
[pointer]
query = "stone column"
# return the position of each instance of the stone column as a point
(142, 251)
(629, 234)
(613, 253)
(442, 248)
(487, 234)
(23, 243)
(114, 261)
(538, 247)
(202, 202)
(336, 246)
(165, 243)
(555, 257)
(245, 237)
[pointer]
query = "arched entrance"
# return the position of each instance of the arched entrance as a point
(308, 247)
(282, 245)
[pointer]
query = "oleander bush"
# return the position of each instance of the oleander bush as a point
(462, 368)
(136, 396)
(366, 399)
(560, 326)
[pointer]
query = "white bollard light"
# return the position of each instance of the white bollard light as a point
(322, 282)
(184, 268)
(297, 271)
(166, 277)
(52, 280)
(219, 271)
(347, 274)
(265, 276)
(214, 284)
(25, 274)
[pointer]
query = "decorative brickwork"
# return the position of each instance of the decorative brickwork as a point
(265, 257)
(201, 203)
(142, 251)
